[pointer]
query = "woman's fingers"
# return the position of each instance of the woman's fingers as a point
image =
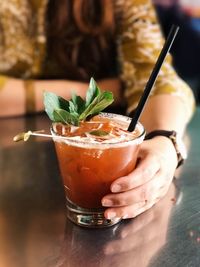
(130, 211)
(145, 171)
(133, 202)
(140, 194)
(144, 186)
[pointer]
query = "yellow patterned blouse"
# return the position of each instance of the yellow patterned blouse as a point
(139, 41)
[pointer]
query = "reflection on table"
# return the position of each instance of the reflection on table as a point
(131, 243)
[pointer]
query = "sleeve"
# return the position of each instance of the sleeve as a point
(139, 43)
(22, 41)
(3, 80)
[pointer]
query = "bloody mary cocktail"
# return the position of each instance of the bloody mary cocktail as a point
(91, 157)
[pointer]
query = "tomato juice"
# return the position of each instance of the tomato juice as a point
(95, 154)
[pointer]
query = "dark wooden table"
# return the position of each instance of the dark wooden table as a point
(34, 231)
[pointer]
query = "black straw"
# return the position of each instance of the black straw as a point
(168, 43)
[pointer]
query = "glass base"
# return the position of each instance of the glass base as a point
(91, 218)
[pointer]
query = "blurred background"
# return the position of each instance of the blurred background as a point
(186, 49)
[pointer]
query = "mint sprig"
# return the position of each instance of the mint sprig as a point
(77, 109)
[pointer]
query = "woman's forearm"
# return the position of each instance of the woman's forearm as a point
(167, 112)
(65, 88)
(14, 94)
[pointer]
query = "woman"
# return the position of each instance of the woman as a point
(58, 45)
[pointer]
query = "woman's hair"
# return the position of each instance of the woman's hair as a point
(80, 37)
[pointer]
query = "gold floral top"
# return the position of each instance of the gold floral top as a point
(139, 41)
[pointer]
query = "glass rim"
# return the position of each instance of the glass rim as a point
(87, 144)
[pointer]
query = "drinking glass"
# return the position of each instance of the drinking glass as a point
(88, 170)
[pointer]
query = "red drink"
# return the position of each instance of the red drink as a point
(92, 156)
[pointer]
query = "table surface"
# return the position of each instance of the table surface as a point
(34, 231)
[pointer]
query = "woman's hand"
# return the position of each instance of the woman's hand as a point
(143, 187)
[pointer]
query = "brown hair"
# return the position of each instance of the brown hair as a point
(80, 37)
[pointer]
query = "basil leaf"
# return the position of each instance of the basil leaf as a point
(79, 103)
(72, 112)
(61, 115)
(98, 104)
(92, 92)
(52, 102)
(72, 108)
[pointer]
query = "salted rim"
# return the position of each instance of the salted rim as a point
(86, 142)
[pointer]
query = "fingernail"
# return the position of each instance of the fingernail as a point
(107, 202)
(111, 215)
(116, 188)
(125, 216)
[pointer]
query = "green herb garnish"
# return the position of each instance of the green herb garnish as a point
(99, 133)
(77, 109)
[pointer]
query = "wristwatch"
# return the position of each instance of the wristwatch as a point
(176, 141)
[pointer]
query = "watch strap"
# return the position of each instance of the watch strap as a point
(155, 133)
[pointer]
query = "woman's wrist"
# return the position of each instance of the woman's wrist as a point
(175, 139)
(65, 88)
(12, 98)
(166, 146)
